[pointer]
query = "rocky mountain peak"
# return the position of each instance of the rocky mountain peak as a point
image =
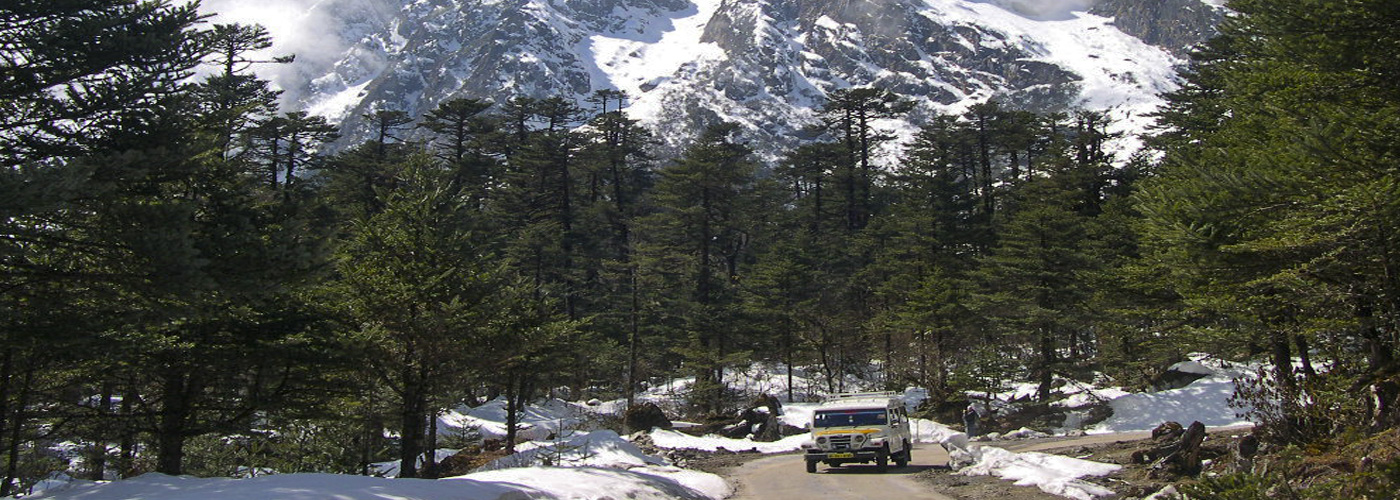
(764, 64)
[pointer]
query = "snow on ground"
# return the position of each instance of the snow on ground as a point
(538, 421)
(391, 468)
(658, 483)
(537, 483)
(677, 440)
(564, 460)
(281, 487)
(595, 464)
(1055, 474)
(1206, 400)
(602, 448)
(1075, 394)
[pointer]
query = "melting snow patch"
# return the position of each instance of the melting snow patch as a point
(676, 440)
(603, 448)
(645, 483)
(1206, 400)
(657, 483)
(1051, 473)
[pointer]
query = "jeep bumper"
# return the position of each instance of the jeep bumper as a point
(842, 456)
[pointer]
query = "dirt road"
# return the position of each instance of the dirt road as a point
(784, 476)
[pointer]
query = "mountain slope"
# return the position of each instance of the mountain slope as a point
(766, 64)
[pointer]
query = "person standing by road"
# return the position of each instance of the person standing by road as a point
(970, 420)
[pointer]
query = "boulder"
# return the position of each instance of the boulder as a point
(645, 416)
(1180, 375)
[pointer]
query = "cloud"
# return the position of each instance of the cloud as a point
(305, 28)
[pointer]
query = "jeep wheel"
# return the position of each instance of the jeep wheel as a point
(882, 460)
(811, 466)
(902, 459)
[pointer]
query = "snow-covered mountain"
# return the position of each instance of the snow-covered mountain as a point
(766, 64)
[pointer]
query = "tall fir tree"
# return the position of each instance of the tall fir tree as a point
(1274, 205)
(698, 246)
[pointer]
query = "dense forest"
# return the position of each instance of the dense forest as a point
(180, 261)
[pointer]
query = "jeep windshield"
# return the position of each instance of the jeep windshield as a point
(849, 418)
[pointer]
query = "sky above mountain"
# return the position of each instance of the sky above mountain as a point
(296, 26)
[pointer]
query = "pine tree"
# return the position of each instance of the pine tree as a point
(286, 146)
(616, 161)
(1032, 281)
(77, 71)
(1274, 206)
(464, 136)
(418, 283)
(851, 114)
(87, 86)
(698, 244)
(234, 98)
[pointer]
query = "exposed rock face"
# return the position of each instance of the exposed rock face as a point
(1175, 25)
(766, 65)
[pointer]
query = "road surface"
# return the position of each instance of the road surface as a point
(785, 476)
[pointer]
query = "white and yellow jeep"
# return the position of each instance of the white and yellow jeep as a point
(859, 427)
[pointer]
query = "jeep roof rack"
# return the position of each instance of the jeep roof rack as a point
(861, 395)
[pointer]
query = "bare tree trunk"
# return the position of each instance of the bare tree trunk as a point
(634, 335)
(512, 412)
(126, 459)
(373, 431)
(1047, 360)
(787, 358)
(20, 415)
(430, 468)
(411, 419)
(97, 451)
(1282, 358)
(1305, 361)
(6, 379)
(172, 427)
(1384, 391)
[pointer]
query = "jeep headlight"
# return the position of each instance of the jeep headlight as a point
(858, 439)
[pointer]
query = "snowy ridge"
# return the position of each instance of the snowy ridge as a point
(764, 64)
(1117, 72)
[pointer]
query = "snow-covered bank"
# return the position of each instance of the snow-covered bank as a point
(1206, 400)
(1053, 474)
(676, 440)
(534, 483)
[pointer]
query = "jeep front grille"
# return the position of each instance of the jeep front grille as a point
(841, 442)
